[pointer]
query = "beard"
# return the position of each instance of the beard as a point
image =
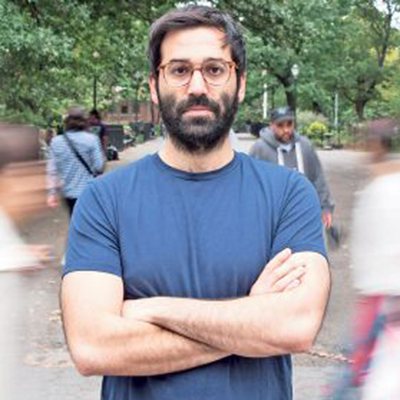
(199, 134)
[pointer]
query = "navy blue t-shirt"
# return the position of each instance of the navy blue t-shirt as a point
(200, 235)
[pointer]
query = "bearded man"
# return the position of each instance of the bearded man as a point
(193, 273)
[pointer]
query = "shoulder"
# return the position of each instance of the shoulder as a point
(287, 182)
(58, 142)
(259, 144)
(269, 173)
(114, 188)
(306, 142)
(87, 136)
(122, 177)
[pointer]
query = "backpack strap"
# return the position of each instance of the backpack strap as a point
(78, 156)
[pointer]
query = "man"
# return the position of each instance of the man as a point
(165, 291)
(97, 127)
(281, 144)
(75, 158)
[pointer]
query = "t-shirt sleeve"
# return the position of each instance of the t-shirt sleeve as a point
(299, 225)
(93, 241)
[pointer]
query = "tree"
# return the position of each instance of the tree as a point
(290, 30)
(53, 54)
(365, 51)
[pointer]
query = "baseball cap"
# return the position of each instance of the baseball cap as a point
(282, 114)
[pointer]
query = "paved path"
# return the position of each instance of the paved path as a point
(47, 372)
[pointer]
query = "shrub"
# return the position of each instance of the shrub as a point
(306, 118)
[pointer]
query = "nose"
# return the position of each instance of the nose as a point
(197, 84)
(288, 130)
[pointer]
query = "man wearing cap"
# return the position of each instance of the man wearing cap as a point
(281, 144)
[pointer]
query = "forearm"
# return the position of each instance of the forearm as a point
(118, 346)
(51, 178)
(323, 191)
(255, 326)
(252, 326)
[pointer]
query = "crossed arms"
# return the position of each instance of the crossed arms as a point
(282, 314)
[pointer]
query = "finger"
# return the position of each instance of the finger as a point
(284, 269)
(268, 282)
(289, 278)
(279, 259)
(293, 285)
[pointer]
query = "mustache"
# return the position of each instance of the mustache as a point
(202, 100)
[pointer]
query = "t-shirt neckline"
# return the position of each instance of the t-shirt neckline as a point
(198, 176)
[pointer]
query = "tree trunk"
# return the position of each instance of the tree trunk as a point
(360, 108)
(316, 107)
(290, 98)
(290, 92)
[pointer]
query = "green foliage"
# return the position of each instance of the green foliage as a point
(306, 119)
(314, 126)
(51, 53)
(316, 133)
(316, 129)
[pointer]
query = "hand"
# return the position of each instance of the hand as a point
(52, 201)
(327, 219)
(282, 273)
(23, 190)
(42, 252)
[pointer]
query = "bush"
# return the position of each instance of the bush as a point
(314, 126)
(306, 118)
(316, 132)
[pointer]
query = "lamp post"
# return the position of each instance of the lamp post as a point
(295, 73)
(96, 55)
(95, 92)
(265, 96)
(336, 117)
(137, 88)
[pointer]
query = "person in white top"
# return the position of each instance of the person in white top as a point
(376, 265)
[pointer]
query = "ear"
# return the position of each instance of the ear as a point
(242, 88)
(153, 88)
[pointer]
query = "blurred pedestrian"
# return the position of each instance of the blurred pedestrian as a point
(75, 159)
(281, 144)
(49, 136)
(22, 196)
(376, 267)
(97, 127)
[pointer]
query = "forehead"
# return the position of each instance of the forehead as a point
(281, 124)
(194, 44)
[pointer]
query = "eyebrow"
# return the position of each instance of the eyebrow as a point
(188, 60)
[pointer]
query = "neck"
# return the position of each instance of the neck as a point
(201, 162)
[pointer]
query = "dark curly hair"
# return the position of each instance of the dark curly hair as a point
(191, 17)
(76, 120)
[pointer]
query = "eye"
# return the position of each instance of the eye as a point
(179, 70)
(214, 69)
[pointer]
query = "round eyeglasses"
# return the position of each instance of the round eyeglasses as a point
(214, 72)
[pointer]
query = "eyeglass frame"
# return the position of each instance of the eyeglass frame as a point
(230, 64)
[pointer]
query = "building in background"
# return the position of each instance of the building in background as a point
(128, 111)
